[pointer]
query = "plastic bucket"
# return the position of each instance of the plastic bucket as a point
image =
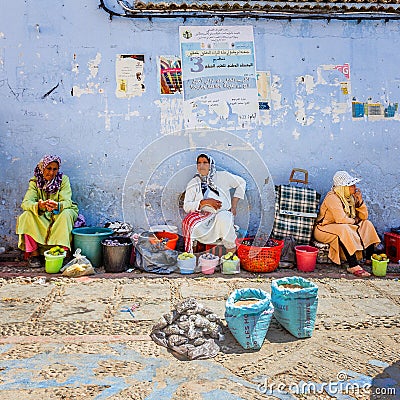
(208, 265)
(187, 266)
(53, 264)
(379, 267)
(117, 258)
(306, 257)
(171, 239)
(230, 267)
(88, 239)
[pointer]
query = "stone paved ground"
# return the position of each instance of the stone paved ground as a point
(63, 338)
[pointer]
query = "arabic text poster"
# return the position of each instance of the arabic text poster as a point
(219, 77)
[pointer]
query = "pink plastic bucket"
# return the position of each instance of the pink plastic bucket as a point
(208, 265)
(306, 257)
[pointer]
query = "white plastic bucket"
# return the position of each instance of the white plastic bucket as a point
(187, 266)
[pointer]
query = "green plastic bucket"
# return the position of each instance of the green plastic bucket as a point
(53, 263)
(379, 267)
(88, 239)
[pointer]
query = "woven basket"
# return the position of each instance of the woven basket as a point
(259, 259)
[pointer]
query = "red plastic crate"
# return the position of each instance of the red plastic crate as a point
(392, 246)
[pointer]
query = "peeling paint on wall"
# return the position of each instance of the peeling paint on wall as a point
(75, 66)
(2, 59)
(301, 116)
(107, 115)
(308, 82)
(337, 110)
(327, 89)
(91, 88)
(276, 101)
(171, 116)
(93, 66)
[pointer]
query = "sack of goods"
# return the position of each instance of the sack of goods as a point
(248, 313)
(296, 301)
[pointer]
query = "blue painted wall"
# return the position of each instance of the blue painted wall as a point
(70, 47)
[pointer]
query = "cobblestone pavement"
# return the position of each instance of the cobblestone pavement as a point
(63, 338)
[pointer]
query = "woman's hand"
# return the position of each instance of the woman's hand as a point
(235, 201)
(48, 205)
(42, 205)
(51, 205)
(358, 197)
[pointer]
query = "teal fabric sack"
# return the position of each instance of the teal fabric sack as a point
(295, 309)
(249, 323)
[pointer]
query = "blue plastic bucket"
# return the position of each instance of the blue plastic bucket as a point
(88, 239)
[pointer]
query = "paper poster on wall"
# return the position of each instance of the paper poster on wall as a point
(264, 90)
(219, 77)
(129, 75)
(170, 74)
(373, 110)
(344, 69)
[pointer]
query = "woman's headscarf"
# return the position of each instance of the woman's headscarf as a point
(48, 186)
(342, 181)
(207, 181)
(343, 192)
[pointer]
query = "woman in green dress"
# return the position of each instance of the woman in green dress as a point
(49, 212)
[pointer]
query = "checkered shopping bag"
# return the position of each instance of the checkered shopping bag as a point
(296, 209)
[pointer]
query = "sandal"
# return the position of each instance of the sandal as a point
(34, 262)
(359, 272)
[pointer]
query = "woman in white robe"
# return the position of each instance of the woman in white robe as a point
(210, 206)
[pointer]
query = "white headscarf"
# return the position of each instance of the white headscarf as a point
(207, 181)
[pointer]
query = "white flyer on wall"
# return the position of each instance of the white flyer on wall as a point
(129, 75)
(219, 77)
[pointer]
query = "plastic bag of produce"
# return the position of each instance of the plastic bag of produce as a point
(296, 301)
(248, 313)
(78, 266)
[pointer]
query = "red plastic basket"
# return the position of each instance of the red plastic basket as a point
(259, 259)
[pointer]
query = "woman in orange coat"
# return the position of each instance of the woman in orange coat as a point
(343, 223)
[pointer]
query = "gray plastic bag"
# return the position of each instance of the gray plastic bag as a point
(153, 256)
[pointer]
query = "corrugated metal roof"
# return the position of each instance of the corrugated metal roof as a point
(257, 8)
(291, 5)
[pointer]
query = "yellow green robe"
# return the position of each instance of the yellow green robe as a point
(47, 228)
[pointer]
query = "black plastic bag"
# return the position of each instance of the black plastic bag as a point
(288, 254)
